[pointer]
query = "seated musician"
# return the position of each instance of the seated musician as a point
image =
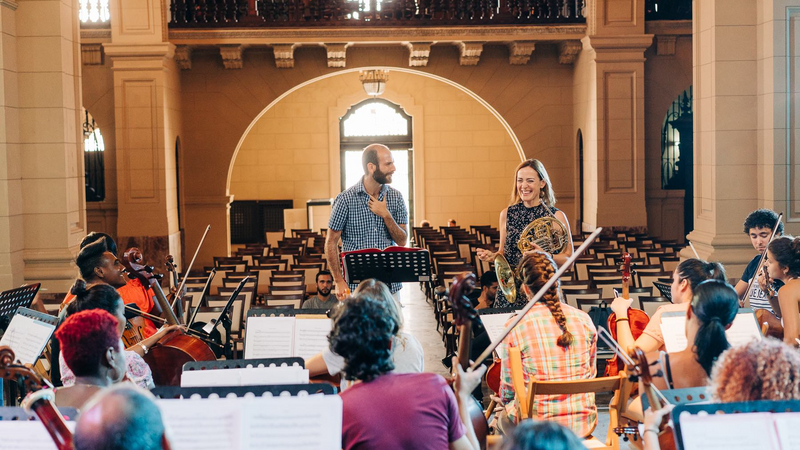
(106, 298)
(121, 418)
(488, 290)
(92, 348)
(758, 226)
(386, 410)
(783, 264)
(760, 370)
(407, 353)
(324, 299)
(713, 307)
(685, 279)
(557, 342)
(541, 435)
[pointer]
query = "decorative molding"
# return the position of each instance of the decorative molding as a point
(624, 48)
(284, 55)
(92, 54)
(493, 33)
(470, 53)
(665, 44)
(568, 51)
(183, 56)
(519, 52)
(337, 54)
(91, 33)
(232, 56)
(418, 53)
(671, 27)
(10, 4)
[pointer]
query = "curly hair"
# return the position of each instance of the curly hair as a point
(786, 250)
(762, 218)
(84, 338)
(760, 370)
(695, 271)
(362, 334)
(535, 270)
(99, 296)
(715, 303)
(541, 435)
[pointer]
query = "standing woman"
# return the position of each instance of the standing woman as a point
(531, 198)
(783, 263)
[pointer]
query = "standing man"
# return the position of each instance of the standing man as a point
(370, 214)
(758, 226)
(323, 299)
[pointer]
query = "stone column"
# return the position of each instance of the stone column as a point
(42, 210)
(147, 124)
(609, 111)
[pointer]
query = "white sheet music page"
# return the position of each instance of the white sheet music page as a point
(495, 324)
(28, 435)
(258, 376)
(202, 424)
(745, 431)
(311, 336)
(673, 327)
(312, 422)
(27, 337)
(269, 337)
(788, 426)
(743, 329)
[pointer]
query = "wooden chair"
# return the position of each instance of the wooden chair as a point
(285, 301)
(583, 294)
(650, 304)
(527, 407)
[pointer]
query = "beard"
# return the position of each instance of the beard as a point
(324, 292)
(381, 177)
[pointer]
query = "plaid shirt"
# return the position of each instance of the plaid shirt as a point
(360, 227)
(542, 358)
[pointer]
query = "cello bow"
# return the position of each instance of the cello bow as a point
(178, 294)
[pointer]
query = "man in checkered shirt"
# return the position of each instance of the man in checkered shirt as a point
(370, 214)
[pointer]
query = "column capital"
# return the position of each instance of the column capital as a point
(139, 57)
(622, 48)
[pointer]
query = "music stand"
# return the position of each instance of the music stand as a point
(225, 318)
(392, 265)
(13, 299)
(664, 288)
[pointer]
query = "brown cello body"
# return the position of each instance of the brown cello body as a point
(167, 357)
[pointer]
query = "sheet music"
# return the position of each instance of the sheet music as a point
(27, 337)
(788, 427)
(495, 324)
(269, 337)
(729, 432)
(255, 376)
(311, 336)
(30, 435)
(299, 423)
(673, 327)
(202, 424)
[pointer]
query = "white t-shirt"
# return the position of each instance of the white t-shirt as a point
(407, 355)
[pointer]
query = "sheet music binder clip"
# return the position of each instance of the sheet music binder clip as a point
(392, 265)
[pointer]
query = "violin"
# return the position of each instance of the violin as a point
(167, 357)
(637, 318)
(40, 401)
(464, 313)
(641, 371)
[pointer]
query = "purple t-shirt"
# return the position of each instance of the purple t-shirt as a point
(401, 411)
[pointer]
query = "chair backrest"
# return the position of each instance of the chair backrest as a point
(246, 297)
(608, 286)
(273, 237)
(584, 294)
(648, 278)
(650, 304)
(284, 301)
(585, 304)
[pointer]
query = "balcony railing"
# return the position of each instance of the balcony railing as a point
(326, 13)
(668, 10)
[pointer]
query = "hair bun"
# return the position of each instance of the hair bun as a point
(79, 288)
(796, 245)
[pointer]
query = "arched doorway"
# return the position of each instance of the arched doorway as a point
(677, 153)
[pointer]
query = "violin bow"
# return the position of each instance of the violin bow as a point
(515, 320)
(606, 337)
(761, 261)
(178, 294)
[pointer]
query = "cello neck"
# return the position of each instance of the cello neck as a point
(464, 344)
(169, 315)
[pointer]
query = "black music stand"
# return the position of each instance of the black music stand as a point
(664, 288)
(13, 299)
(387, 266)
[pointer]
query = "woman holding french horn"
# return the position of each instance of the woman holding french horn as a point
(530, 223)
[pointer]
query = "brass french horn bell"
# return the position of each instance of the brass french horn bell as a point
(546, 232)
(506, 278)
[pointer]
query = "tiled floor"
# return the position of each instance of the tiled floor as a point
(419, 321)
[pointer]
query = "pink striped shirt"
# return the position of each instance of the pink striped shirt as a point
(536, 336)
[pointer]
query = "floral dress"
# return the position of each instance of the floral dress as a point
(138, 371)
(517, 218)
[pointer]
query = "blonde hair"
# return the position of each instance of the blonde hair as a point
(548, 197)
(760, 370)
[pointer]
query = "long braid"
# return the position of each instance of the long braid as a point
(537, 269)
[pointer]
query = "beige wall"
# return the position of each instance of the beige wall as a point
(219, 105)
(463, 155)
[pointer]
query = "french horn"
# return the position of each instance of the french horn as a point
(546, 232)
(506, 278)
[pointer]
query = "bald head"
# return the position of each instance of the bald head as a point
(378, 163)
(123, 417)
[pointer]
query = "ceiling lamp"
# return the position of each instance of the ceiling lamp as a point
(374, 81)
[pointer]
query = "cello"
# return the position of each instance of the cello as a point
(167, 357)
(40, 401)
(637, 319)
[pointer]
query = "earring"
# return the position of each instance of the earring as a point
(541, 193)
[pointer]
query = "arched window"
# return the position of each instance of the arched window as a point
(93, 153)
(677, 133)
(377, 120)
(93, 11)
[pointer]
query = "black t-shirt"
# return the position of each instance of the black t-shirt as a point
(758, 299)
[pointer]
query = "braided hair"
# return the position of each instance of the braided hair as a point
(786, 250)
(535, 270)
